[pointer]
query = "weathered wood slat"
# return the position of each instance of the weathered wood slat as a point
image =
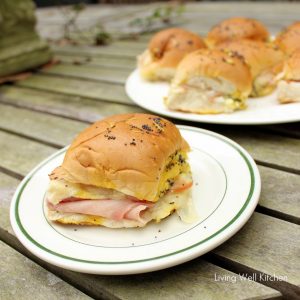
(267, 148)
(193, 280)
(98, 51)
(198, 279)
(105, 61)
(8, 186)
(266, 244)
(23, 279)
(76, 107)
(17, 153)
(104, 74)
(280, 191)
(31, 124)
(136, 45)
(78, 88)
(289, 129)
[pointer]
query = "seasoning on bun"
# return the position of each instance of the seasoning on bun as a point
(235, 29)
(289, 40)
(165, 50)
(265, 61)
(289, 86)
(210, 82)
(123, 171)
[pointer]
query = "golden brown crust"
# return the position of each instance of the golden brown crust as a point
(258, 55)
(292, 67)
(216, 64)
(293, 26)
(289, 40)
(125, 152)
(165, 50)
(171, 45)
(235, 29)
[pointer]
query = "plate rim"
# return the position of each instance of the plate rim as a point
(190, 116)
(254, 192)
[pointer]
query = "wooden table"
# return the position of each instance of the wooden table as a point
(43, 113)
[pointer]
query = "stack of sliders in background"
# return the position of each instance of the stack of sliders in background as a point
(242, 62)
(123, 171)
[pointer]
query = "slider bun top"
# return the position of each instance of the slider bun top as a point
(126, 152)
(289, 40)
(169, 46)
(216, 64)
(292, 67)
(235, 29)
(258, 55)
(293, 26)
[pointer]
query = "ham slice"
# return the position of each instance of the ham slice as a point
(110, 208)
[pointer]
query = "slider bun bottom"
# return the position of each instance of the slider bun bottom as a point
(195, 97)
(288, 92)
(80, 219)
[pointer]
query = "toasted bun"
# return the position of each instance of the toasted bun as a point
(292, 67)
(235, 29)
(216, 64)
(265, 61)
(210, 82)
(258, 55)
(165, 50)
(127, 153)
(289, 40)
(293, 26)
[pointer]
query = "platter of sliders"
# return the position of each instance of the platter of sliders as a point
(135, 193)
(237, 74)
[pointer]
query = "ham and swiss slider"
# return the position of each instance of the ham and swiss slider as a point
(123, 171)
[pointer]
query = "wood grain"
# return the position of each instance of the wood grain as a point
(268, 245)
(104, 60)
(73, 107)
(105, 74)
(98, 51)
(20, 154)
(75, 87)
(21, 278)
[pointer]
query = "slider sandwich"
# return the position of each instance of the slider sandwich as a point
(289, 85)
(165, 50)
(264, 60)
(123, 171)
(210, 82)
(235, 29)
(289, 40)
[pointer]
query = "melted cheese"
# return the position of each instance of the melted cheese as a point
(180, 202)
(175, 165)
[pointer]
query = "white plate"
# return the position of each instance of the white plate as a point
(226, 190)
(264, 110)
